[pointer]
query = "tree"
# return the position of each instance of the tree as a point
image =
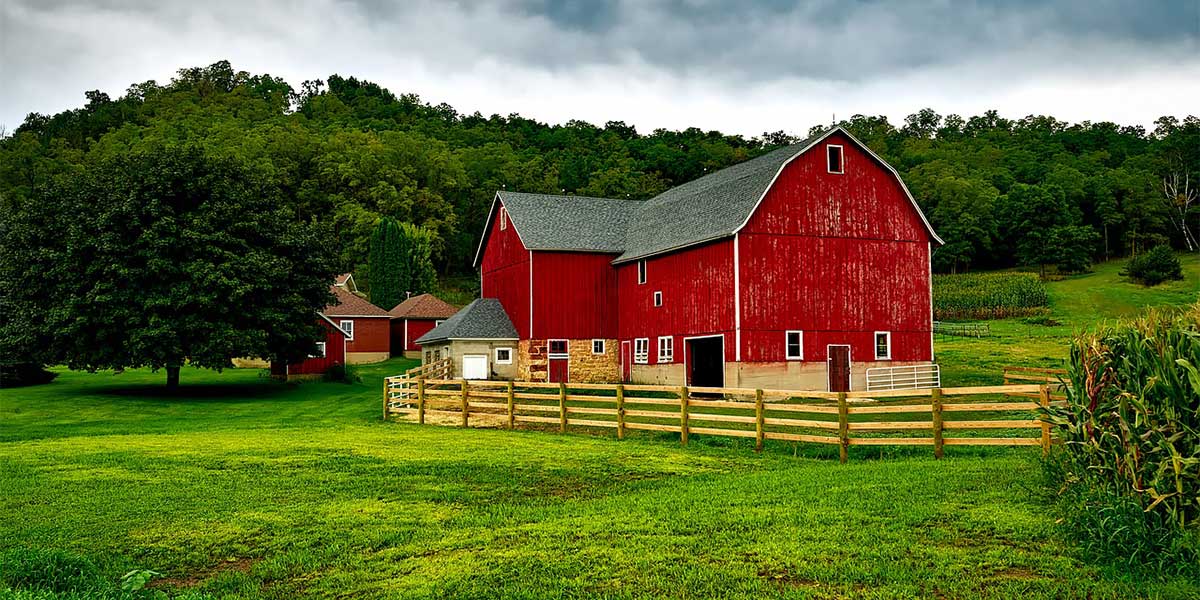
(165, 256)
(386, 263)
(418, 276)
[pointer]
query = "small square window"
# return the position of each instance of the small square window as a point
(428, 357)
(641, 272)
(795, 345)
(558, 347)
(641, 350)
(597, 346)
(348, 327)
(835, 159)
(438, 322)
(658, 298)
(504, 356)
(320, 353)
(666, 349)
(883, 345)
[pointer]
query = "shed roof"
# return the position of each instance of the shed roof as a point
(423, 306)
(482, 319)
(350, 305)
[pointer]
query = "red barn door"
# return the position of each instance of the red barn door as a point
(838, 366)
(558, 370)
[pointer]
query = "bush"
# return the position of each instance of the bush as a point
(342, 374)
(24, 374)
(988, 296)
(1128, 474)
(1154, 267)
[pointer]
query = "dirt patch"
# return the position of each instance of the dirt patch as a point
(242, 565)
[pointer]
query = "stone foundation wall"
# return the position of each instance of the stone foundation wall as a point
(533, 361)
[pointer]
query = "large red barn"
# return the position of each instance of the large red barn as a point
(800, 269)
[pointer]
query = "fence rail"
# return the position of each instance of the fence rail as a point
(971, 415)
(962, 329)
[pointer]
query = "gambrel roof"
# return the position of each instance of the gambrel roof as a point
(482, 319)
(709, 208)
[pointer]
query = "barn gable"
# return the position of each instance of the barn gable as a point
(562, 223)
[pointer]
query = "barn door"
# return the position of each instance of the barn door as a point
(626, 363)
(558, 370)
(838, 367)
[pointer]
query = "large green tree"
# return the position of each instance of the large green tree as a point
(160, 258)
(386, 266)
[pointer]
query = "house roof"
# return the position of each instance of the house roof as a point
(423, 306)
(709, 208)
(342, 279)
(335, 325)
(482, 319)
(350, 305)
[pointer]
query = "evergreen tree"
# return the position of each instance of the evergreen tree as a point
(388, 277)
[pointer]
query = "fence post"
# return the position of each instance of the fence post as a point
(1044, 400)
(683, 415)
(620, 411)
(511, 419)
(421, 400)
(843, 427)
(385, 397)
(562, 407)
(466, 409)
(937, 423)
(758, 420)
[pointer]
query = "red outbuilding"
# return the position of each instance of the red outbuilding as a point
(414, 318)
(331, 351)
(800, 269)
(368, 327)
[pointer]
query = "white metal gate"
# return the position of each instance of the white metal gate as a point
(911, 377)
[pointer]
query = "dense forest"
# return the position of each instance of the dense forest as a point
(345, 152)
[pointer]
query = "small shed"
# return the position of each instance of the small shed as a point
(414, 318)
(480, 340)
(367, 327)
(331, 351)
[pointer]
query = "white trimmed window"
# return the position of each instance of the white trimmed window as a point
(666, 349)
(795, 345)
(597, 346)
(834, 159)
(641, 351)
(504, 356)
(558, 348)
(438, 322)
(641, 272)
(320, 353)
(503, 218)
(348, 327)
(658, 298)
(883, 345)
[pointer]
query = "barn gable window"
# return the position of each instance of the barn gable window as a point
(666, 349)
(597, 346)
(348, 327)
(834, 154)
(504, 356)
(795, 345)
(641, 272)
(320, 353)
(658, 298)
(641, 351)
(883, 345)
(503, 218)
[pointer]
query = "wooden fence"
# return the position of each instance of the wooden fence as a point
(945, 417)
(401, 390)
(962, 329)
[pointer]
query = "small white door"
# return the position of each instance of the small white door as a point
(475, 366)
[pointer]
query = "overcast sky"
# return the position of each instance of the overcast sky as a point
(740, 67)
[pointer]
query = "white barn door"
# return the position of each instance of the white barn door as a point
(475, 366)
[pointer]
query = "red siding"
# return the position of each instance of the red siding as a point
(838, 257)
(697, 287)
(416, 329)
(371, 334)
(574, 295)
(504, 273)
(334, 354)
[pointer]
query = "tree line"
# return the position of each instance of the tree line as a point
(346, 153)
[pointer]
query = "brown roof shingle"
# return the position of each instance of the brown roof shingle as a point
(349, 305)
(423, 306)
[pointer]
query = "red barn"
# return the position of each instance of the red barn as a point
(800, 269)
(331, 351)
(368, 327)
(414, 318)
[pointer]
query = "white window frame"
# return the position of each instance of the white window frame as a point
(503, 218)
(875, 345)
(320, 351)
(641, 271)
(438, 322)
(658, 298)
(641, 351)
(551, 354)
(349, 332)
(787, 352)
(501, 361)
(666, 352)
(603, 346)
(841, 159)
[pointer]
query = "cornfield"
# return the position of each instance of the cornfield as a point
(987, 296)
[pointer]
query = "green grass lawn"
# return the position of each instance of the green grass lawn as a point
(242, 487)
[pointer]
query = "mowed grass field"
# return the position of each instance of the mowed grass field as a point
(241, 487)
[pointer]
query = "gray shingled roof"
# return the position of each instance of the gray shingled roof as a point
(482, 319)
(548, 222)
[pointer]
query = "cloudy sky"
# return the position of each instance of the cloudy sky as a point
(744, 67)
